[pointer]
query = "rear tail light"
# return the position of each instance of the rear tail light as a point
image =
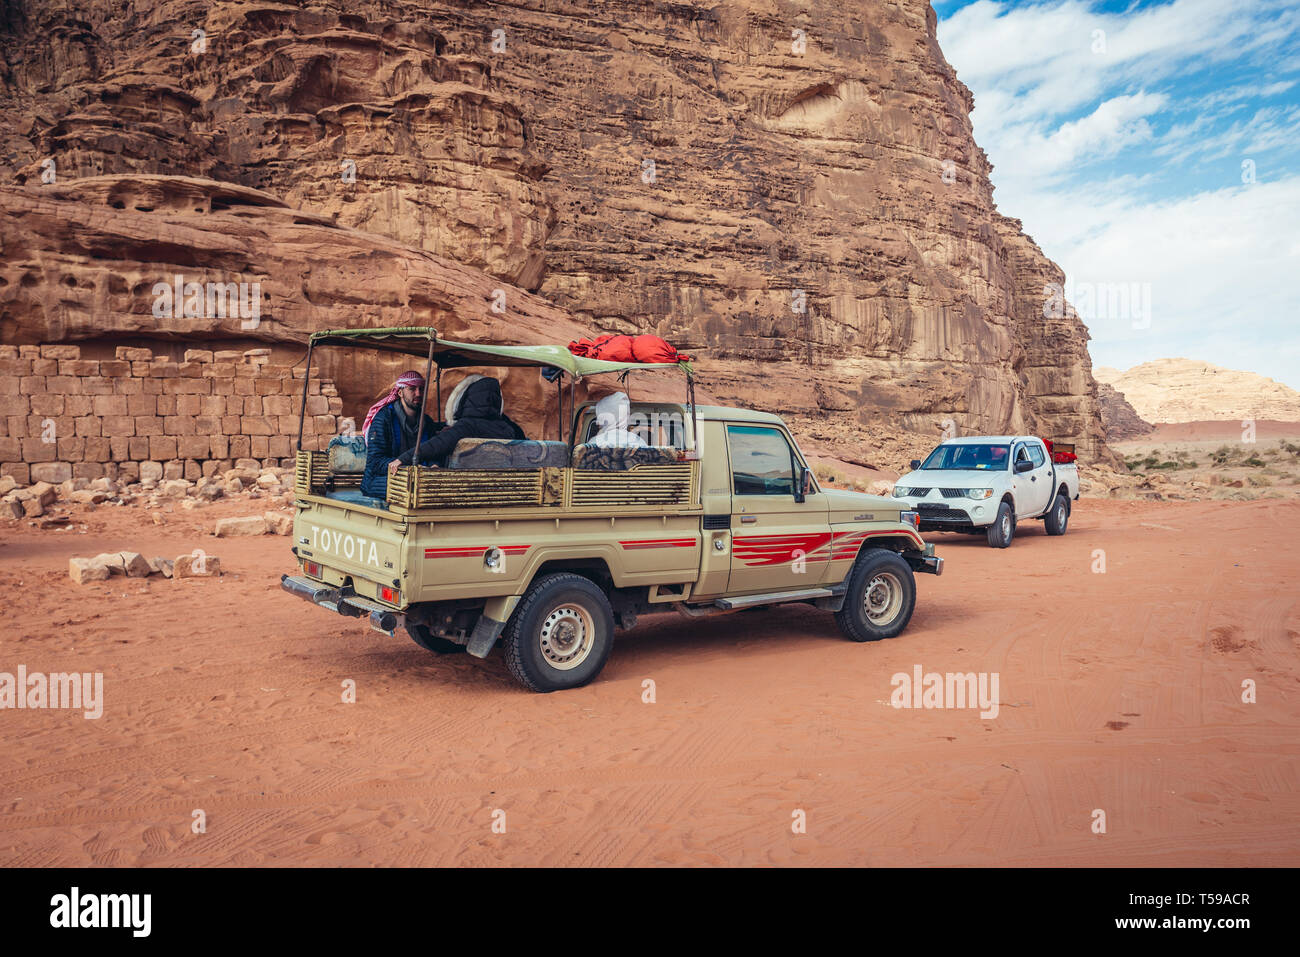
(390, 595)
(312, 569)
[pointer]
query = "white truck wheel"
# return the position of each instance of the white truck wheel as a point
(1058, 517)
(1003, 528)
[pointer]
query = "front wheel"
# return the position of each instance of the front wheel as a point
(561, 633)
(1003, 528)
(1058, 517)
(880, 597)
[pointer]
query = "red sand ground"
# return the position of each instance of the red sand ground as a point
(1119, 691)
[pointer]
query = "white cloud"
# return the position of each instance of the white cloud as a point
(1093, 137)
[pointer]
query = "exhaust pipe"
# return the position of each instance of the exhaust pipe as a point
(384, 621)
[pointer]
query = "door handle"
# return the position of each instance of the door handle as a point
(748, 519)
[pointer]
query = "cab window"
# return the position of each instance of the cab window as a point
(1022, 454)
(1036, 455)
(762, 462)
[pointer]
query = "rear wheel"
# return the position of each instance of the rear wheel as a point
(1003, 528)
(880, 597)
(561, 633)
(1058, 517)
(427, 640)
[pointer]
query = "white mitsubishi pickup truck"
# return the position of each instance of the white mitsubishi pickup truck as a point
(986, 484)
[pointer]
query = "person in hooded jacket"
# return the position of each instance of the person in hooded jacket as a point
(475, 410)
(612, 415)
(390, 428)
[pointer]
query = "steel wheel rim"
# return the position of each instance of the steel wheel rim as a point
(567, 636)
(1005, 526)
(883, 598)
(1060, 515)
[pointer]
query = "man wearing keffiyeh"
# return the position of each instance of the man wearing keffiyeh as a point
(390, 428)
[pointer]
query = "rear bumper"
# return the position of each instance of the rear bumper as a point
(345, 603)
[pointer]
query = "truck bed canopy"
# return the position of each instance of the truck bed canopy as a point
(442, 354)
(424, 341)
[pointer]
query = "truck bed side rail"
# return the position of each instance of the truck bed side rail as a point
(415, 488)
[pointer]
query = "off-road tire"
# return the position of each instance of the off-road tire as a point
(559, 612)
(1003, 529)
(1058, 517)
(886, 580)
(421, 635)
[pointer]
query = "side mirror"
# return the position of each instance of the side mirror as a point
(1024, 466)
(914, 464)
(805, 484)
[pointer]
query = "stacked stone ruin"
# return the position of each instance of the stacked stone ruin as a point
(64, 417)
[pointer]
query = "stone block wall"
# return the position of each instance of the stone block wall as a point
(62, 416)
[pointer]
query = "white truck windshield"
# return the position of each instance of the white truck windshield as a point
(969, 455)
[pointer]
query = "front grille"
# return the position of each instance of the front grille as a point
(953, 492)
(941, 513)
(919, 492)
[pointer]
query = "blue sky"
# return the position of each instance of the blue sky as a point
(1151, 148)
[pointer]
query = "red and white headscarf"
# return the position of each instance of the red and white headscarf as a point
(411, 378)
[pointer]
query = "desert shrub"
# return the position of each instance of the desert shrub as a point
(827, 473)
(1255, 462)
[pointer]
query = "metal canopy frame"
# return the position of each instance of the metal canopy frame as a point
(448, 354)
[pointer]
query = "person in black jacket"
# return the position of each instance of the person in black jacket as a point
(475, 410)
(390, 429)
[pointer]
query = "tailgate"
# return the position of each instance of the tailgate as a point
(349, 543)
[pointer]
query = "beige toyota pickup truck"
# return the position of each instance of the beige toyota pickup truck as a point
(546, 547)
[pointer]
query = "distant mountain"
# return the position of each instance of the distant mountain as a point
(1188, 390)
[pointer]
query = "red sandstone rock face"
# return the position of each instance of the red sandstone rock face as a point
(819, 224)
(81, 261)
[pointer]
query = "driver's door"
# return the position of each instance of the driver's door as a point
(1033, 487)
(777, 543)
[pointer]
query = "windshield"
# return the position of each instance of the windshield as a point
(988, 458)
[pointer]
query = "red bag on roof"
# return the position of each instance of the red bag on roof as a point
(587, 347)
(643, 348)
(615, 349)
(649, 348)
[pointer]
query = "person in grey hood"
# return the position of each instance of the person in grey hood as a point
(475, 410)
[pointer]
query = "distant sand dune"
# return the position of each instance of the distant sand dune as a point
(1188, 390)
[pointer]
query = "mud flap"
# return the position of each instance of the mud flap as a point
(490, 625)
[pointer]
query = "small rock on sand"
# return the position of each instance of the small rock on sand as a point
(244, 525)
(196, 566)
(84, 570)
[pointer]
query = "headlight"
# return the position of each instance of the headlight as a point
(901, 491)
(979, 493)
(910, 518)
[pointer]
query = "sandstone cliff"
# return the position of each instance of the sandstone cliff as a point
(1118, 417)
(791, 189)
(1188, 390)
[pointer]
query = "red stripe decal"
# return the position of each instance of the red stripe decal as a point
(470, 551)
(660, 543)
